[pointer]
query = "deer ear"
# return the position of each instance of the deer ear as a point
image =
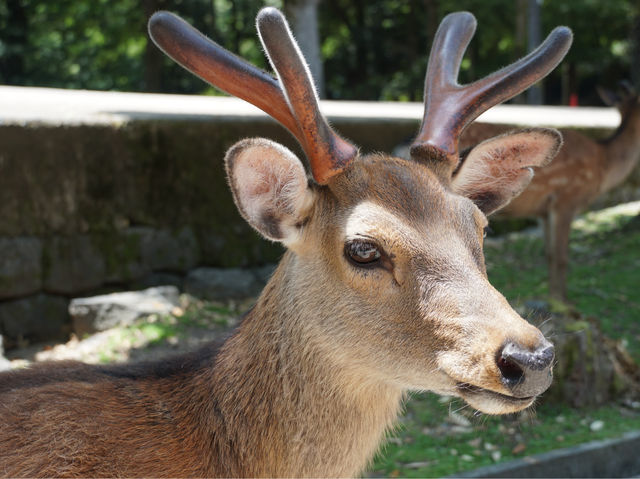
(499, 169)
(608, 97)
(270, 188)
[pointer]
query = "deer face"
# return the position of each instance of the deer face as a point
(386, 269)
(388, 266)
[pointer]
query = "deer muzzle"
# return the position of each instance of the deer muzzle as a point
(524, 372)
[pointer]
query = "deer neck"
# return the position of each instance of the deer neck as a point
(292, 408)
(622, 151)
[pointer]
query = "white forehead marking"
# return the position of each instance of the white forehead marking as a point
(367, 218)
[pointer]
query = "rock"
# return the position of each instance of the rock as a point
(21, 266)
(35, 318)
(160, 279)
(99, 313)
(163, 250)
(5, 364)
(475, 442)
(418, 464)
(596, 426)
(122, 253)
(72, 264)
(264, 273)
(220, 284)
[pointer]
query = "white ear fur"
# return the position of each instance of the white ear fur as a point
(499, 169)
(270, 188)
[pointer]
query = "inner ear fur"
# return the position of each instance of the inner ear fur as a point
(270, 188)
(499, 169)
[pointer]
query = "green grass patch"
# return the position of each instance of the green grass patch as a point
(431, 443)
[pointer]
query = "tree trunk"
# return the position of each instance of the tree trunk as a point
(303, 15)
(635, 52)
(534, 93)
(153, 57)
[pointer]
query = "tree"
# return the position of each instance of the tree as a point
(303, 15)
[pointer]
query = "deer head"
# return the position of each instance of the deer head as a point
(626, 100)
(384, 271)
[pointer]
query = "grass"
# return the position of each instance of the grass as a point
(431, 442)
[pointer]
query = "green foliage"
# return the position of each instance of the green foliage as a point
(373, 50)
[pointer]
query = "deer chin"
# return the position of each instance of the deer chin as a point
(491, 402)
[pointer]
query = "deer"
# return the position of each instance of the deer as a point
(382, 290)
(583, 170)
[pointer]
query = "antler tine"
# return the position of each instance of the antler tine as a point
(328, 153)
(216, 65)
(450, 107)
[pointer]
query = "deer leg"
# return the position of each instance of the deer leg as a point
(557, 226)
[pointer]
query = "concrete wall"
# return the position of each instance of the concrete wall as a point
(104, 191)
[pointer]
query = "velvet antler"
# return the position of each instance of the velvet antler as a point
(450, 107)
(295, 104)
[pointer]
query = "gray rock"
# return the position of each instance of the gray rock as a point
(5, 364)
(72, 264)
(221, 284)
(21, 266)
(159, 279)
(36, 318)
(122, 253)
(264, 273)
(163, 250)
(98, 313)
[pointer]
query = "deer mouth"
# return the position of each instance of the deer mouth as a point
(492, 402)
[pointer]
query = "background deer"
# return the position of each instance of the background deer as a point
(382, 290)
(583, 170)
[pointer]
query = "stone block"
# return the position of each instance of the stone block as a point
(20, 266)
(36, 318)
(159, 279)
(164, 250)
(221, 284)
(99, 313)
(72, 264)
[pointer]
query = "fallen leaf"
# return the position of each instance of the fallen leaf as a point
(520, 448)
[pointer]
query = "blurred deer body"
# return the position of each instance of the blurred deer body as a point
(583, 170)
(383, 290)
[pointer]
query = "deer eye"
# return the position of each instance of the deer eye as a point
(362, 253)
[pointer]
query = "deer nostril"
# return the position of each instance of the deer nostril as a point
(509, 370)
(526, 373)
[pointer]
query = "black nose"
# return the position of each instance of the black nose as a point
(526, 373)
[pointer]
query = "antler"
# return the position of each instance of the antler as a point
(450, 107)
(296, 107)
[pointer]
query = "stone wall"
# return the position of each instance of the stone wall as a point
(89, 207)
